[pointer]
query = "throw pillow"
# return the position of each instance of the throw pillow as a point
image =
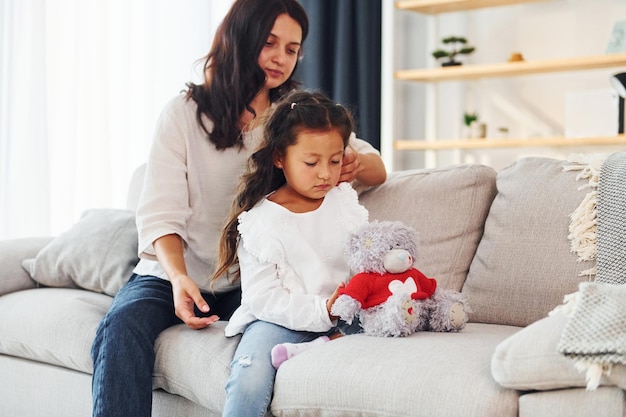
(98, 253)
(529, 360)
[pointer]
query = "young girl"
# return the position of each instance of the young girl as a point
(288, 227)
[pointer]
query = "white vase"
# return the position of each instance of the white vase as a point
(477, 130)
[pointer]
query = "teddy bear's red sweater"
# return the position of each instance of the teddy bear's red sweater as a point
(372, 289)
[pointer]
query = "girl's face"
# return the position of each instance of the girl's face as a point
(312, 165)
(280, 54)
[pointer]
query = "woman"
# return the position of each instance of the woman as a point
(202, 141)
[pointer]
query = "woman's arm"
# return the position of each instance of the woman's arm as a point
(169, 252)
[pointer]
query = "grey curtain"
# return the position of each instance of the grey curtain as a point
(342, 58)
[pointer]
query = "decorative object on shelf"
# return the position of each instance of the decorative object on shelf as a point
(455, 45)
(478, 130)
(516, 57)
(503, 132)
(617, 41)
(474, 129)
(468, 118)
(618, 81)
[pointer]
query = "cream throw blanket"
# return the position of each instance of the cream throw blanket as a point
(595, 336)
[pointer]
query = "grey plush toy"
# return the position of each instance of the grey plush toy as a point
(388, 295)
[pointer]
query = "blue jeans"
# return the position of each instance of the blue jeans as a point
(251, 383)
(123, 350)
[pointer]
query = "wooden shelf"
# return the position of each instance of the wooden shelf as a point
(444, 6)
(422, 145)
(507, 69)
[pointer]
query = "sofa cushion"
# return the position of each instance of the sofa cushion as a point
(61, 324)
(529, 360)
(195, 364)
(524, 265)
(578, 402)
(12, 253)
(431, 374)
(446, 206)
(98, 253)
(52, 325)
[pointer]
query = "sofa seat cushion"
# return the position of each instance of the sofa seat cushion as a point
(529, 360)
(443, 374)
(447, 207)
(52, 325)
(58, 325)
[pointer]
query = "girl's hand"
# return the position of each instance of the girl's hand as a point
(333, 298)
(186, 295)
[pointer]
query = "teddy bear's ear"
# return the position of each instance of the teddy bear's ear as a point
(403, 236)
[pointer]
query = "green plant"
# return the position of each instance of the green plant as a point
(468, 118)
(455, 47)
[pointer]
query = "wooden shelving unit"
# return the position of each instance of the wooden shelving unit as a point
(494, 70)
(439, 145)
(445, 6)
(508, 69)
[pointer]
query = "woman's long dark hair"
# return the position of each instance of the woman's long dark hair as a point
(232, 76)
(296, 112)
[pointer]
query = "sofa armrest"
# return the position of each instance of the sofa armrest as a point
(12, 252)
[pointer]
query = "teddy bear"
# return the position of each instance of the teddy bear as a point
(388, 295)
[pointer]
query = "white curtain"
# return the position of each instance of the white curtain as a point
(82, 83)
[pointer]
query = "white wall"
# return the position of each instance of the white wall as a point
(529, 106)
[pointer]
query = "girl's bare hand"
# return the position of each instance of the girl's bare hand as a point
(333, 298)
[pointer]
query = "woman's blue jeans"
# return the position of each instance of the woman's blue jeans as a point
(123, 350)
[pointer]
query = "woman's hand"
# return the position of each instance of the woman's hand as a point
(367, 168)
(350, 165)
(169, 252)
(333, 298)
(186, 295)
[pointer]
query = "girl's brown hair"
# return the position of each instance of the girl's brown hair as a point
(296, 112)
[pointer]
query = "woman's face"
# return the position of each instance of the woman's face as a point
(280, 54)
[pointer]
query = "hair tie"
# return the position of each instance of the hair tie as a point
(293, 105)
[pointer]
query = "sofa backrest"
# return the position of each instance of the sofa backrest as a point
(135, 186)
(500, 238)
(524, 264)
(446, 206)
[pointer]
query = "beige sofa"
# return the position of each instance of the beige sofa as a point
(501, 239)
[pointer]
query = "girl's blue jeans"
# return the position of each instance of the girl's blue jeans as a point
(251, 383)
(123, 350)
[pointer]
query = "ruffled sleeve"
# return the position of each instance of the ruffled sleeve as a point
(353, 214)
(257, 230)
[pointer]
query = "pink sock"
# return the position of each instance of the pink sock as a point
(282, 352)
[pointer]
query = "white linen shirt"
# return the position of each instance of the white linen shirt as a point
(188, 189)
(291, 263)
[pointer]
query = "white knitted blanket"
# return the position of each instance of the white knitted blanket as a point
(595, 335)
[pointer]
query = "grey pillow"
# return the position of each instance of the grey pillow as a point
(98, 253)
(529, 360)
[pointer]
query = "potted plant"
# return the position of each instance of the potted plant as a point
(475, 129)
(456, 46)
(468, 118)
